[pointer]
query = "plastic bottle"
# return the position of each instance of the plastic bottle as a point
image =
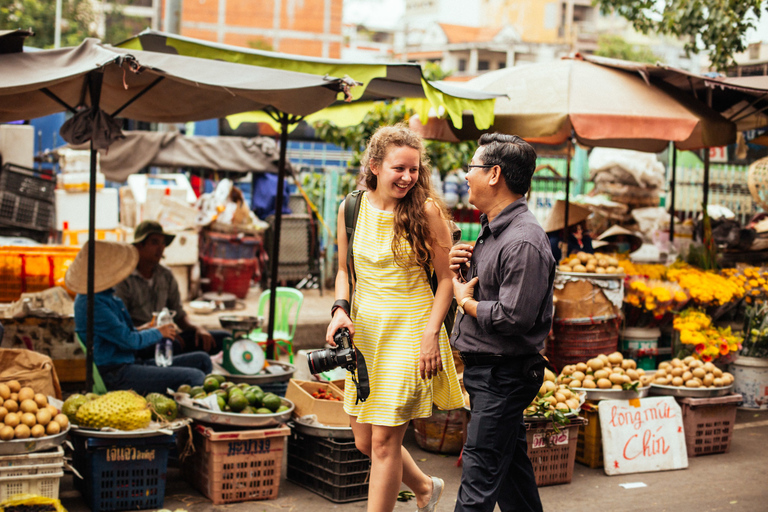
(164, 347)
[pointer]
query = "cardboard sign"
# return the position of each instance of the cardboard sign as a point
(546, 439)
(642, 435)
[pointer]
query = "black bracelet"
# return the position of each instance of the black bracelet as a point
(341, 303)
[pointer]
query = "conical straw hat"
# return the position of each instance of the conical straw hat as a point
(556, 219)
(114, 261)
(612, 233)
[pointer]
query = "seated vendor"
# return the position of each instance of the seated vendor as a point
(115, 339)
(579, 238)
(152, 287)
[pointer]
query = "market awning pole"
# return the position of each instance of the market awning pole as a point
(567, 197)
(672, 187)
(270, 353)
(94, 84)
(706, 161)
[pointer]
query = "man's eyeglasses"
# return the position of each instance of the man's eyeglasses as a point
(481, 166)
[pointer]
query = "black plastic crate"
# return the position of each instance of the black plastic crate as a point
(25, 212)
(278, 388)
(335, 478)
(27, 182)
(335, 493)
(38, 235)
(332, 449)
(308, 449)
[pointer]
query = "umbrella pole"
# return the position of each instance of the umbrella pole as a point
(672, 186)
(567, 197)
(270, 352)
(94, 85)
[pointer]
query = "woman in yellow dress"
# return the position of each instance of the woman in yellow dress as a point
(395, 320)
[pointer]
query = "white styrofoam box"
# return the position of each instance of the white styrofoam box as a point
(182, 251)
(152, 208)
(78, 181)
(72, 207)
(181, 273)
(76, 160)
(17, 144)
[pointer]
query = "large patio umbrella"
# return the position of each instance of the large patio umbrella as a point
(382, 81)
(98, 83)
(552, 102)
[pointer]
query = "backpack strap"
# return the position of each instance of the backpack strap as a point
(351, 211)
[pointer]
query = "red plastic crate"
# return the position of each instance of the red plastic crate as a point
(234, 466)
(708, 423)
(232, 276)
(553, 454)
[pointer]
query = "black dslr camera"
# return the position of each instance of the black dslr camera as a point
(346, 355)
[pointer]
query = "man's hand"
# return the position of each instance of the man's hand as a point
(459, 257)
(202, 336)
(148, 325)
(167, 330)
(462, 289)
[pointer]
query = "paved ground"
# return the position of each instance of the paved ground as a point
(734, 481)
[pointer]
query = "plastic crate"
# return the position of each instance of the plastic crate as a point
(33, 473)
(25, 269)
(277, 388)
(708, 423)
(552, 454)
(228, 246)
(589, 447)
(122, 474)
(336, 470)
(232, 276)
(25, 212)
(38, 235)
(27, 182)
(233, 466)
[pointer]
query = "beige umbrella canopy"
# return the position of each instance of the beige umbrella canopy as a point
(601, 106)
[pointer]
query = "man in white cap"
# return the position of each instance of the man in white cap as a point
(116, 340)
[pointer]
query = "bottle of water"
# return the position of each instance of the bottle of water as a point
(164, 347)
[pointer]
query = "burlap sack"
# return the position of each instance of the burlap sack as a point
(30, 369)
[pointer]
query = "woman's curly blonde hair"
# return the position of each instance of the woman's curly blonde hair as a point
(410, 217)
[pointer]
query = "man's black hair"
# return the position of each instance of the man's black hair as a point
(516, 158)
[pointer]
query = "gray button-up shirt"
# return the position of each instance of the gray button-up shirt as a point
(143, 296)
(513, 261)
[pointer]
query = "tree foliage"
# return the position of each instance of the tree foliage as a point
(443, 155)
(718, 26)
(78, 20)
(616, 47)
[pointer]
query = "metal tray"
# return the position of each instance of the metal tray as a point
(591, 275)
(33, 444)
(614, 394)
(682, 391)
(261, 378)
(154, 429)
(239, 420)
(322, 431)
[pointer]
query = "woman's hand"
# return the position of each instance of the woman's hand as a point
(340, 319)
(430, 361)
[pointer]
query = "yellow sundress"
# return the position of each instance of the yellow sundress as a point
(390, 311)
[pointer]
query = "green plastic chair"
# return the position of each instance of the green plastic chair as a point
(287, 306)
(98, 385)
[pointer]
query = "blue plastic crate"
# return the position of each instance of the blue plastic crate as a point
(122, 474)
(228, 246)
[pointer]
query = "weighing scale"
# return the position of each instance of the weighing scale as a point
(242, 356)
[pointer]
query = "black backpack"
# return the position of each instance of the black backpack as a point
(351, 211)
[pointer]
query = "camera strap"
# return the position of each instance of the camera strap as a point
(363, 386)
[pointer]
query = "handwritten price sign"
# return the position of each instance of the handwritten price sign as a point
(642, 435)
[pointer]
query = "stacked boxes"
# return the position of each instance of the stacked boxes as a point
(32, 473)
(26, 202)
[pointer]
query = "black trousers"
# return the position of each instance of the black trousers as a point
(496, 467)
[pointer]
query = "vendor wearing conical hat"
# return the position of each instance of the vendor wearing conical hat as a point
(579, 238)
(618, 239)
(116, 340)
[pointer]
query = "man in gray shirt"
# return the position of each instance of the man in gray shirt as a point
(504, 290)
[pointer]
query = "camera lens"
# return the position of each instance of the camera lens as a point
(322, 360)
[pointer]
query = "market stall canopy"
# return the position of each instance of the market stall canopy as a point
(601, 106)
(742, 100)
(140, 149)
(153, 87)
(380, 81)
